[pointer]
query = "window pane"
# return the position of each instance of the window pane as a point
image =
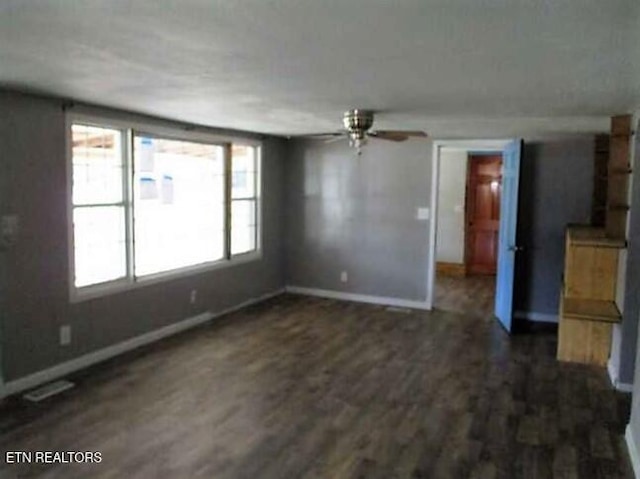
(243, 226)
(179, 204)
(99, 243)
(97, 165)
(243, 240)
(243, 167)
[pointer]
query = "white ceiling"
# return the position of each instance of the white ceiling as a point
(453, 67)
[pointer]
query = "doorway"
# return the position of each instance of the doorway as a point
(467, 224)
(471, 282)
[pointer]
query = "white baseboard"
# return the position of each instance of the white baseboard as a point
(536, 317)
(360, 298)
(67, 367)
(615, 381)
(633, 450)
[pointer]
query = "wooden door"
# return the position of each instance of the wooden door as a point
(484, 187)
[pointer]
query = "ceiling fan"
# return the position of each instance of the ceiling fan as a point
(357, 128)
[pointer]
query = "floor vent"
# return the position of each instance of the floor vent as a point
(395, 309)
(48, 390)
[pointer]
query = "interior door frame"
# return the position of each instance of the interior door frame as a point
(475, 146)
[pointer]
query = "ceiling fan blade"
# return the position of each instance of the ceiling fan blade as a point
(324, 136)
(333, 139)
(397, 135)
(413, 133)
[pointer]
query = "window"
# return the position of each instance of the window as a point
(244, 198)
(145, 204)
(98, 200)
(179, 204)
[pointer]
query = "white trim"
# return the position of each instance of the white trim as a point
(615, 381)
(433, 224)
(125, 284)
(360, 298)
(633, 450)
(67, 367)
(469, 145)
(536, 317)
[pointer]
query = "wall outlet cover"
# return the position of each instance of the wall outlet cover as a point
(9, 226)
(65, 335)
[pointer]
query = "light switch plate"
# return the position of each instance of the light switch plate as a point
(422, 214)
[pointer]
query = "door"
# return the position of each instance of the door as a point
(483, 213)
(507, 246)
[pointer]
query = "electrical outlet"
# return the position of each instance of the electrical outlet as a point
(8, 230)
(194, 296)
(65, 335)
(344, 277)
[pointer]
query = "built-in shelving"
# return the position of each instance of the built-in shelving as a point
(591, 309)
(587, 308)
(618, 171)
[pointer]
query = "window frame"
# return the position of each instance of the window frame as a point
(129, 130)
(257, 195)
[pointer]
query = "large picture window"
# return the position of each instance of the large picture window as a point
(146, 204)
(178, 204)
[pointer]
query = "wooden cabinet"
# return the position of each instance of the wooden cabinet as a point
(587, 308)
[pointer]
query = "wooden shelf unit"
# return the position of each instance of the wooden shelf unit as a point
(618, 171)
(587, 309)
(591, 309)
(600, 180)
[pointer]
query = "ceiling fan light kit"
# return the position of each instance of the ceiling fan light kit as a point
(357, 123)
(357, 128)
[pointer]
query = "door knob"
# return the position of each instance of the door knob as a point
(516, 248)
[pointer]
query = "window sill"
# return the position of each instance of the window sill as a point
(78, 295)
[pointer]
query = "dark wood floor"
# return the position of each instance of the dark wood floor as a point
(310, 388)
(471, 295)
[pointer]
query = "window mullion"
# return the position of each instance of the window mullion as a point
(127, 179)
(99, 205)
(257, 220)
(228, 172)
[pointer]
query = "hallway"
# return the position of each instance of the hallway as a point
(471, 295)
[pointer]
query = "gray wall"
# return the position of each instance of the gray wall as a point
(624, 348)
(452, 183)
(343, 213)
(36, 299)
(633, 428)
(556, 186)
(358, 214)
